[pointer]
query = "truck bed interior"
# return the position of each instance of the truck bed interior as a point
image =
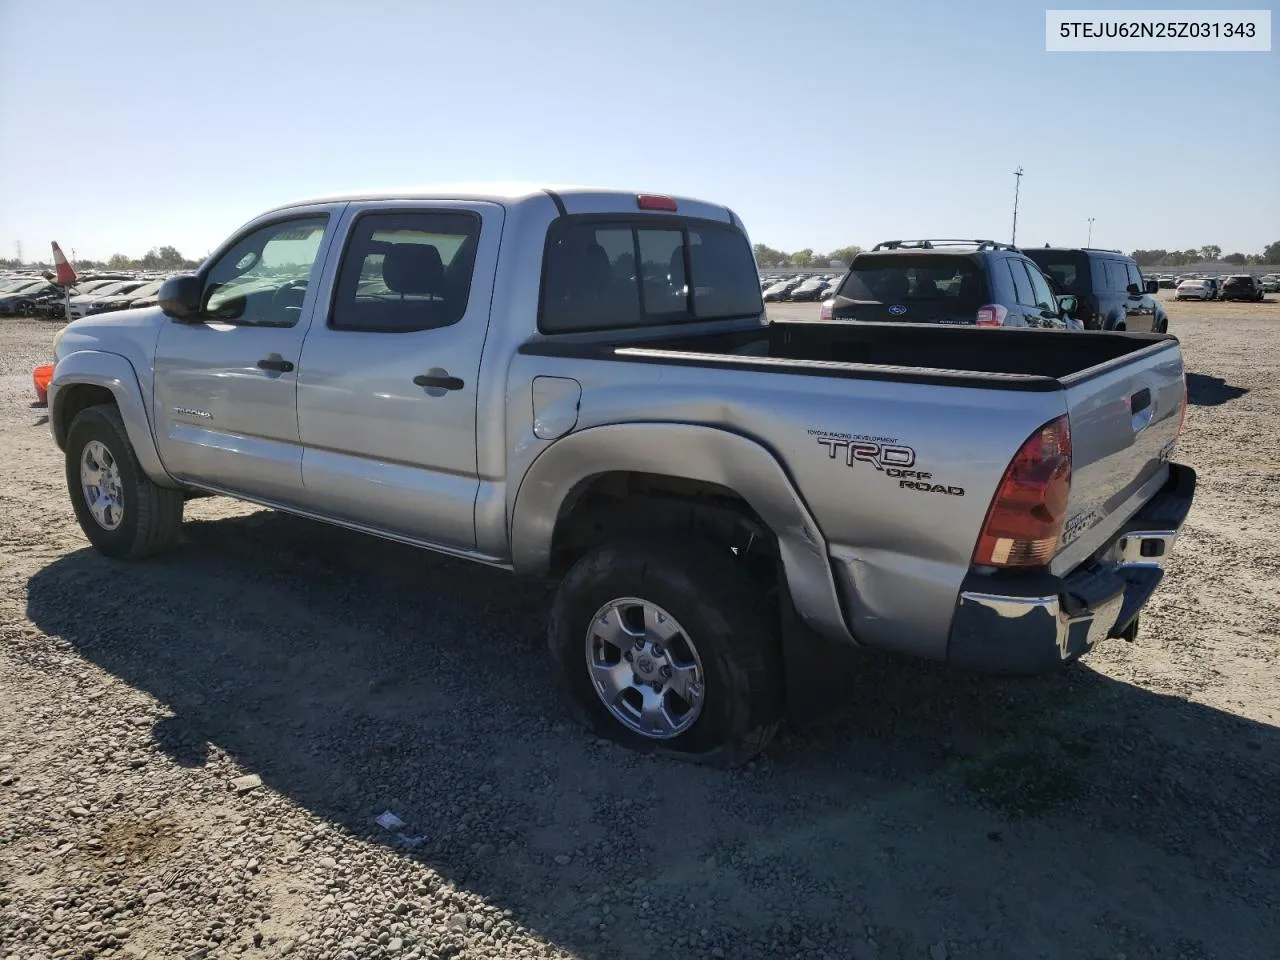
(1036, 353)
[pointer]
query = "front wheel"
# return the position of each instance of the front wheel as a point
(120, 510)
(666, 645)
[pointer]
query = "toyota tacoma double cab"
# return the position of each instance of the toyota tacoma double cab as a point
(584, 384)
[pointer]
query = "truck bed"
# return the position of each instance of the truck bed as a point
(1027, 355)
(1008, 359)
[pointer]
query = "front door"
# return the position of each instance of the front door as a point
(388, 381)
(225, 390)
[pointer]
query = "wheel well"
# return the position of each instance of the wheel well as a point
(619, 503)
(73, 399)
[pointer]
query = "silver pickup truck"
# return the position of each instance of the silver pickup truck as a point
(584, 384)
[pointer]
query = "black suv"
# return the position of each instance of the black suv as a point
(966, 282)
(1110, 291)
(1242, 287)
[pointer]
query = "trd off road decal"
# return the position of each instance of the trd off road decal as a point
(895, 460)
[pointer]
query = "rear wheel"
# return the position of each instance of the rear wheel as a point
(120, 510)
(666, 645)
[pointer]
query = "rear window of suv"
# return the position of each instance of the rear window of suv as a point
(916, 278)
(688, 270)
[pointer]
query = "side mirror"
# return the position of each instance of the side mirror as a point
(179, 297)
(1067, 305)
(1153, 286)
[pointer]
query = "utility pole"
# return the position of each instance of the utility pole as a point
(1089, 242)
(1018, 184)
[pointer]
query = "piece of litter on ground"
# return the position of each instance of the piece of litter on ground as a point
(250, 781)
(409, 841)
(388, 821)
(563, 859)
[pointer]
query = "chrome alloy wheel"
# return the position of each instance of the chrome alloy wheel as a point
(645, 668)
(100, 482)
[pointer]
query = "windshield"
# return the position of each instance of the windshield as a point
(915, 278)
(147, 289)
(91, 286)
(116, 286)
(25, 286)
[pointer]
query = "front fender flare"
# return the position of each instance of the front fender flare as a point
(115, 373)
(695, 453)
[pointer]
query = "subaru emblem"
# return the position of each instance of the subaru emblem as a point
(897, 309)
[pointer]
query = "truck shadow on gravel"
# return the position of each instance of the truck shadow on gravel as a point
(1206, 391)
(997, 815)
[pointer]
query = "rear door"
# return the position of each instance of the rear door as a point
(1125, 417)
(913, 287)
(1046, 304)
(387, 387)
(1025, 310)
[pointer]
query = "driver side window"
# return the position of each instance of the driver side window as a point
(262, 280)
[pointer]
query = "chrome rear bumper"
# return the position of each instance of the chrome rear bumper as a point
(1011, 622)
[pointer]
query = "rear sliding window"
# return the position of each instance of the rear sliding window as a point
(603, 275)
(1070, 272)
(916, 278)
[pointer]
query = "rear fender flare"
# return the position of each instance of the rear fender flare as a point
(694, 453)
(116, 374)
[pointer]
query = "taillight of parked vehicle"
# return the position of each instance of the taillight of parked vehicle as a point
(1025, 520)
(828, 310)
(992, 315)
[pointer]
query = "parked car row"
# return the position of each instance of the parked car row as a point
(40, 297)
(1236, 287)
(801, 288)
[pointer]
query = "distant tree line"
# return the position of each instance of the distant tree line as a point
(769, 257)
(157, 258)
(1178, 258)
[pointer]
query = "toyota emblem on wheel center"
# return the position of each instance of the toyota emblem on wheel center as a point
(897, 309)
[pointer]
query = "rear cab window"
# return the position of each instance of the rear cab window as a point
(916, 278)
(617, 272)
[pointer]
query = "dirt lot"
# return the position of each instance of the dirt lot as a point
(1126, 808)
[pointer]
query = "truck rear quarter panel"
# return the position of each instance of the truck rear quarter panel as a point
(898, 476)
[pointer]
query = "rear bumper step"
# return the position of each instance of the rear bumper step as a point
(1009, 622)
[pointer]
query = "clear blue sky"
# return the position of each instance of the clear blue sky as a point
(822, 122)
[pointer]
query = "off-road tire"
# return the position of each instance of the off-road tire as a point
(714, 598)
(152, 514)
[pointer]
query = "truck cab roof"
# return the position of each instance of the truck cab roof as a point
(569, 199)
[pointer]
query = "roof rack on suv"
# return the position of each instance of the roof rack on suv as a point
(1101, 250)
(946, 242)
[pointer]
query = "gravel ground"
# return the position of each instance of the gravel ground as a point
(1126, 808)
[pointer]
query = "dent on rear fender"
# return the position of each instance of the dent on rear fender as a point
(691, 452)
(116, 374)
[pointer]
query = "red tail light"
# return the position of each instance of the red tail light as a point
(827, 311)
(992, 315)
(650, 201)
(1025, 520)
